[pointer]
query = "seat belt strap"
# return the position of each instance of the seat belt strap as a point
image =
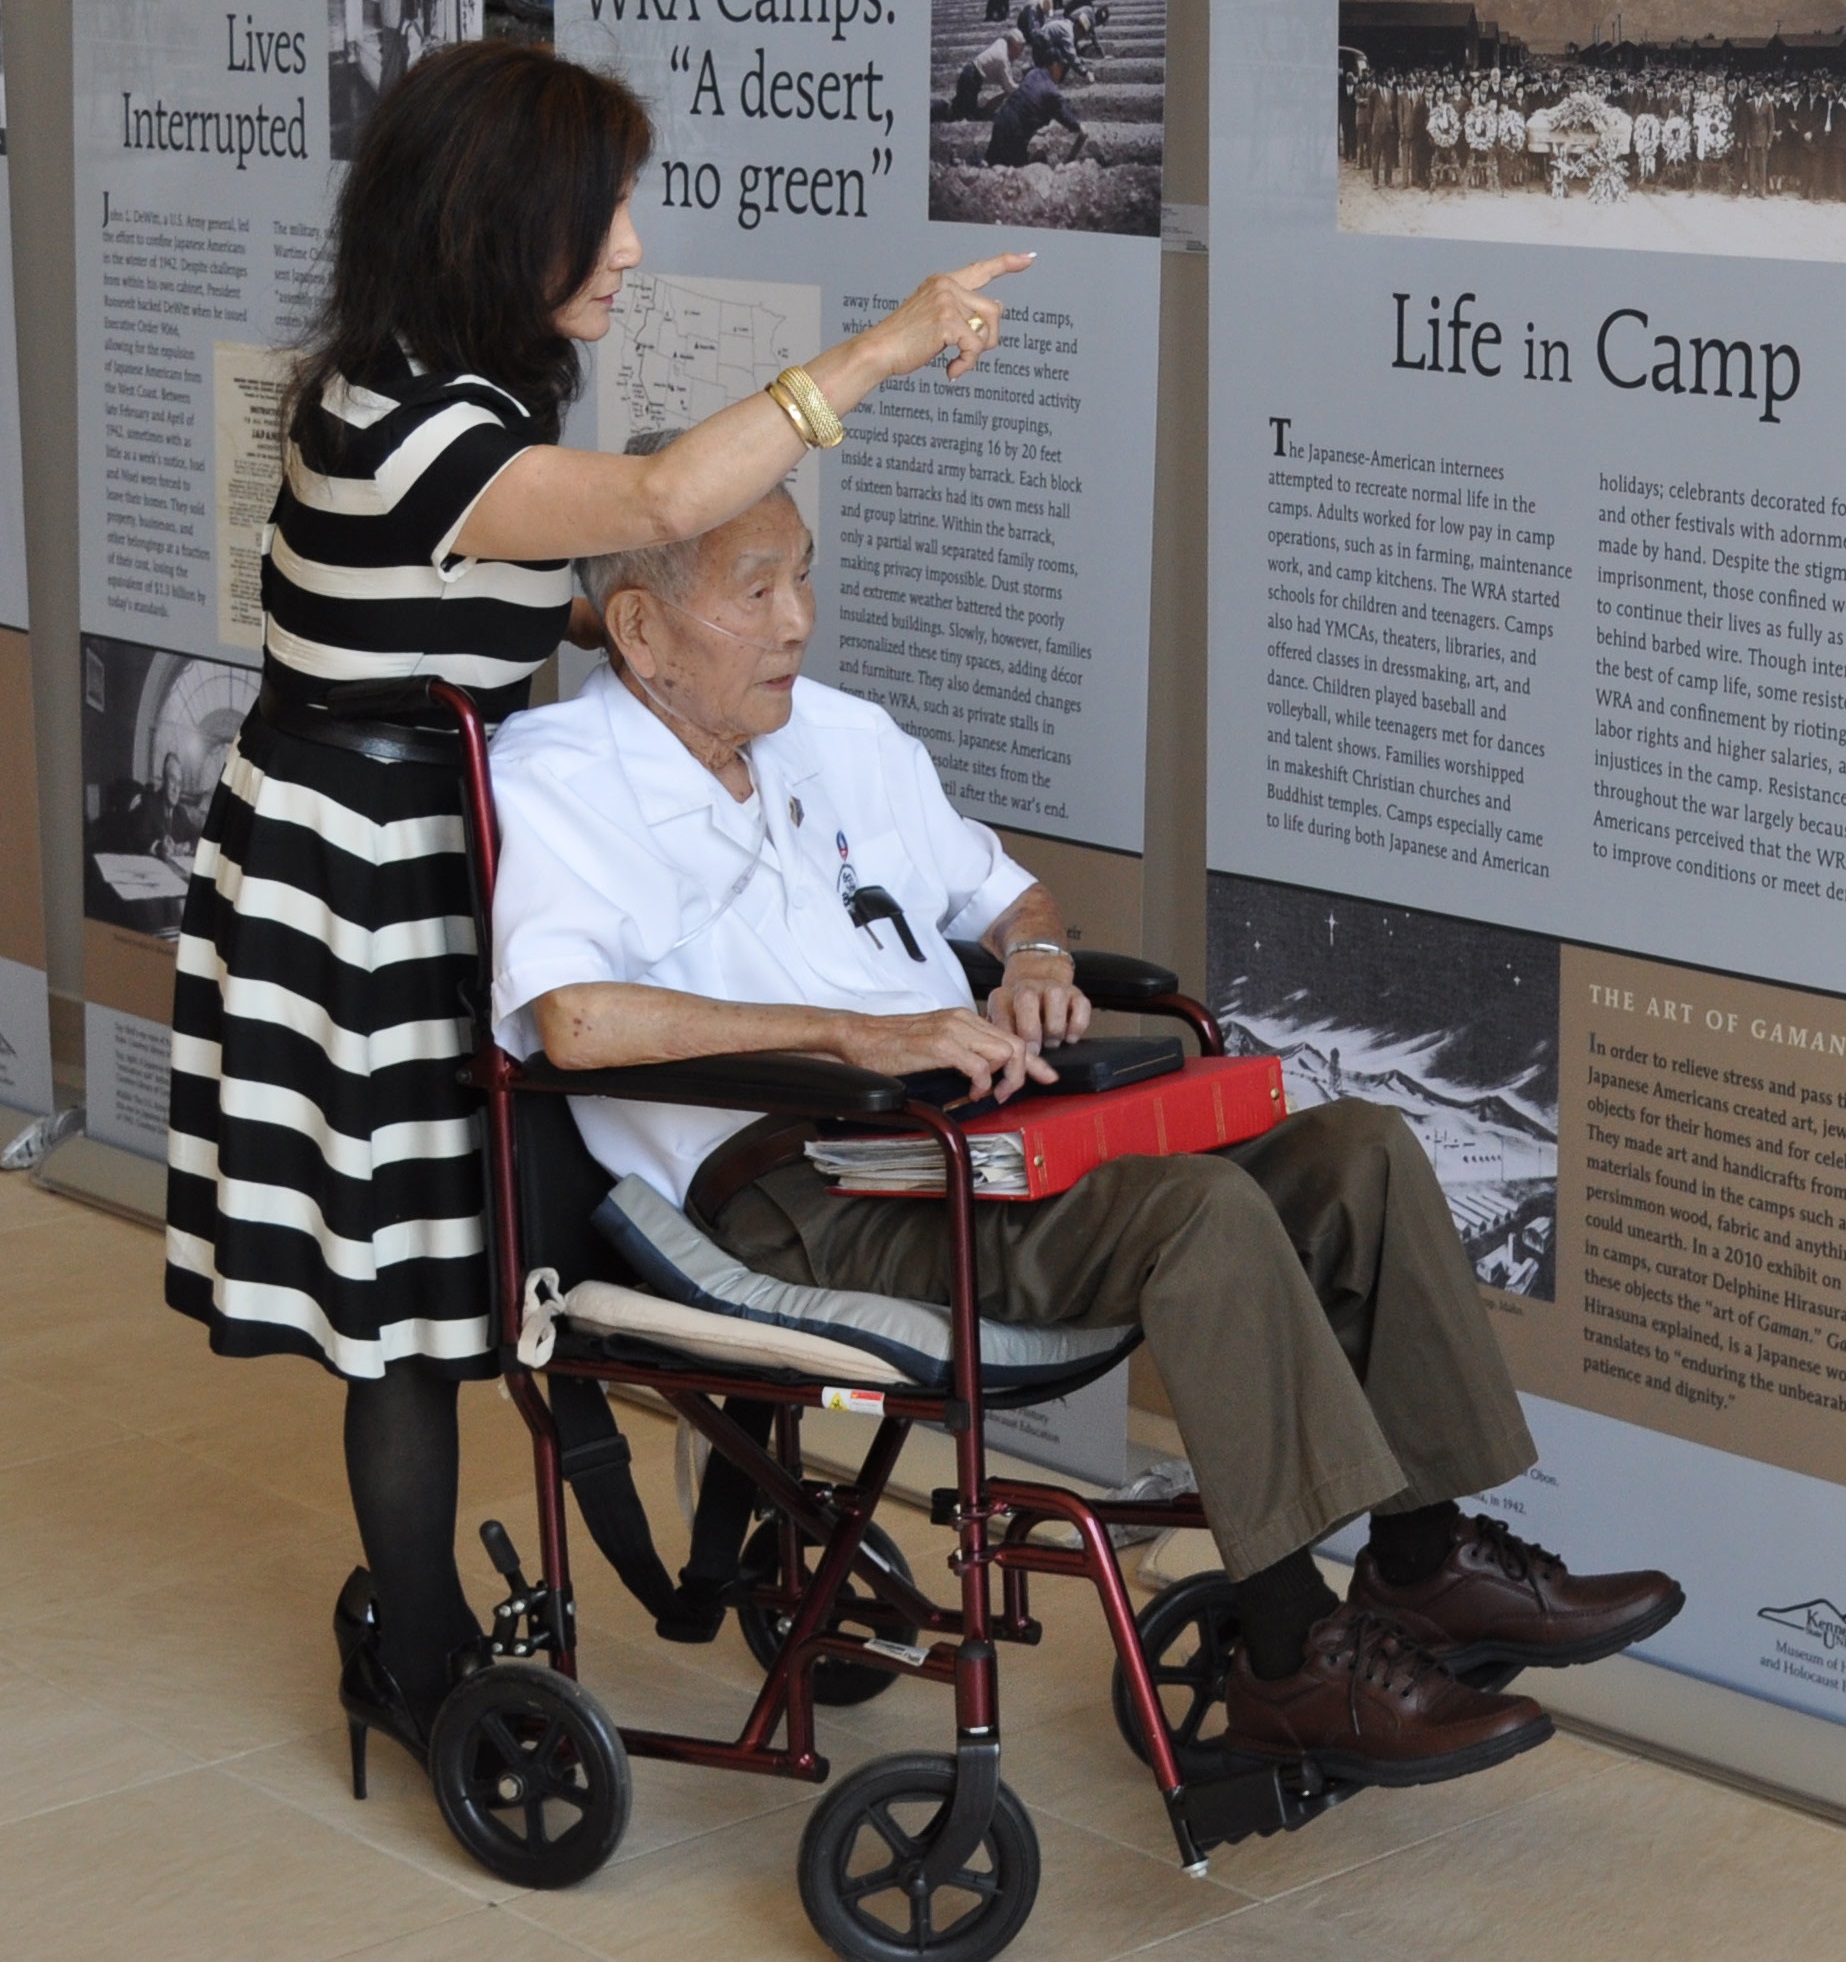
(727, 1498)
(596, 1463)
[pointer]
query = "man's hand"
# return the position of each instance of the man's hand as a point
(1037, 1002)
(995, 1061)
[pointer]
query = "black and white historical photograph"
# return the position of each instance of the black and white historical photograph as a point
(529, 21)
(369, 45)
(156, 727)
(1713, 126)
(1452, 1022)
(1051, 114)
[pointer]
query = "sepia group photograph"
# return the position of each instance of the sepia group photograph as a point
(1050, 115)
(1712, 126)
(370, 43)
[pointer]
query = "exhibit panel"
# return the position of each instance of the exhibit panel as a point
(983, 564)
(984, 544)
(1528, 726)
(25, 1030)
(25, 1039)
(208, 151)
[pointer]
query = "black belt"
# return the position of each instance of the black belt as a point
(386, 742)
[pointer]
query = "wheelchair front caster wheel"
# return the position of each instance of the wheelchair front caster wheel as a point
(530, 1775)
(1187, 1633)
(835, 1681)
(861, 1868)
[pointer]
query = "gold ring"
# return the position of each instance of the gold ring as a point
(977, 326)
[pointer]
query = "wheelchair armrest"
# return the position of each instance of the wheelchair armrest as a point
(1110, 980)
(770, 1081)
(361, 701)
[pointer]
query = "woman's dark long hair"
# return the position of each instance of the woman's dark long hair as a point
(478, 203)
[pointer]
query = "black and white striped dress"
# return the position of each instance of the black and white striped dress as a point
(324, 1194)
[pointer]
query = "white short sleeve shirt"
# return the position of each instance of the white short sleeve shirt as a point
(624, 859)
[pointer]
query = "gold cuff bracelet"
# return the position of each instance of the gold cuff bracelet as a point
(790, 408)
(797, 391)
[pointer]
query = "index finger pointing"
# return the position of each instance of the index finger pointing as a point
(982, 270)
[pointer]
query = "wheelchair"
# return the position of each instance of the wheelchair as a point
(916, 1855)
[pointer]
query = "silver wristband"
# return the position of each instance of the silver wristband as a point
(1038, 947)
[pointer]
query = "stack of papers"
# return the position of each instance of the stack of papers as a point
(914, 1165)
(140, 875)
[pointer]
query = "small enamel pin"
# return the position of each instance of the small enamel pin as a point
(795, 812)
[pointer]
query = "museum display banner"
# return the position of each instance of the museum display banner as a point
(1528, 723)
(984, 546)
(25, 1029)
(208, 146)
(983, 559)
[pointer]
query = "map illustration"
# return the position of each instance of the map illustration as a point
(679, 349)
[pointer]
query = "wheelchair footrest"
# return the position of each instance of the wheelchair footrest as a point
(1228, 1801)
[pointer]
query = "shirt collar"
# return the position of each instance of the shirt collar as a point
(668, 781)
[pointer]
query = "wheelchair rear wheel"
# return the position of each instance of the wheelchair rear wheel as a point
(530, 1774)
(861, 1861)
(1187, 1633)
(835, 1680)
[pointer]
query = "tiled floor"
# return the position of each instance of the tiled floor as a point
(172, 1532)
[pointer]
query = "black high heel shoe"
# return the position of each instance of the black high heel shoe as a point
(354, 1612)
(369, 1693)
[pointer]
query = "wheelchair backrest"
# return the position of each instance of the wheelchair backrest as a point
(560, 1186)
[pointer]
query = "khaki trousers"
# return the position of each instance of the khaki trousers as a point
(1309, 1308)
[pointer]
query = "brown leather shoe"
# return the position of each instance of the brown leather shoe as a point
(1498, 1598)
(1369, 1705)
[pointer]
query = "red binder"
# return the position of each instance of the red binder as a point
(1212, 1101)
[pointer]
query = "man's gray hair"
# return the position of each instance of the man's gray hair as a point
(670, 570)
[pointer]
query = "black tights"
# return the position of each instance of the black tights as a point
(403, 1459)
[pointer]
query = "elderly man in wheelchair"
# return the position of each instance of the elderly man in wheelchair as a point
(683, 845)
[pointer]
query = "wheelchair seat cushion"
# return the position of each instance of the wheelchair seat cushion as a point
(892, 1340)
(606, 1308)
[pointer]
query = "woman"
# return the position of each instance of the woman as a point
(324, 1195)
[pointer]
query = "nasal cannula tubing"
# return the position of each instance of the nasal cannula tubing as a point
(768, 646)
